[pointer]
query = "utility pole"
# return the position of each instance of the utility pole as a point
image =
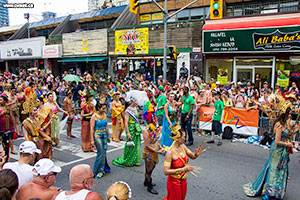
(26, 16)
(165, 19)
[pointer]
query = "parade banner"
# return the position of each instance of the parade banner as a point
(132, 41)
(236, 118)
(283, 78)
(222, 76)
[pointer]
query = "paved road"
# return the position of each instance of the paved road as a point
(225, 170)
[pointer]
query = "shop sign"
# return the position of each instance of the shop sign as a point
(295, 74)
(52, 51)
(222, 76)
(197, 49)
(157, 16)
(145, 18)
(132, 41)
(22, 49)
(249, 40)
(283, 78)
(85, 43)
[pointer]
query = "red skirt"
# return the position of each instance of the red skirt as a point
(177, 189)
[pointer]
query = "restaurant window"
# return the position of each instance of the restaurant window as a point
(223, 67)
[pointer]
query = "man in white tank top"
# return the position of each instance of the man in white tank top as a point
(81, 181)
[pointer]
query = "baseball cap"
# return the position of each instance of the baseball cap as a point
(218, 83)
(266, 82)
(28, 147)
(44, 167)
(277, 84)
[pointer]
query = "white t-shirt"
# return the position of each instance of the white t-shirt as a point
(23, 171)
(79, 195)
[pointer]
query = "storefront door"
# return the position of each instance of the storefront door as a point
(246, 69)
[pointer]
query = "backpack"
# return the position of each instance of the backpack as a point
(228, 133)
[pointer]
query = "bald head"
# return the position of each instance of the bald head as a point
(79, 173)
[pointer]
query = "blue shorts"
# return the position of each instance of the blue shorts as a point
(217, 127)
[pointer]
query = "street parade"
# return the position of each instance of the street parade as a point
(106, 106)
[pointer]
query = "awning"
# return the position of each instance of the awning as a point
(84, 59)
(251, 22)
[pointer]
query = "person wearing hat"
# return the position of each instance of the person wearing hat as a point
(44, 176)
(216, 124)
(161, 102)
(23, 167)
(212, 84)
(277, 89)
(266, 87)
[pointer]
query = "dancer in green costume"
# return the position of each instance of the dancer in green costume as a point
(132, 150)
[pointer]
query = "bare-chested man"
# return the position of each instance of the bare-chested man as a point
(68, 108)
(44, 175)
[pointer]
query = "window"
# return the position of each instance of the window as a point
(259, 7)
(183, 15)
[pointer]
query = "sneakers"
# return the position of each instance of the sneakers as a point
(219, 143)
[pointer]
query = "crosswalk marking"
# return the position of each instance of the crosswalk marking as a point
(75, 149)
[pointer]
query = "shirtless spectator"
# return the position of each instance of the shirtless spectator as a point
(81, 181)
(68, 108)
(44, 172)
(13, 105)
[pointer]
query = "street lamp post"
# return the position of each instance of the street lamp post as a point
(165, 19)
(26, 16)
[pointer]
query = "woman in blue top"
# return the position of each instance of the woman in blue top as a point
(100, 138)
(170, 119)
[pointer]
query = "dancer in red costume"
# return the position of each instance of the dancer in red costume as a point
(176, 167)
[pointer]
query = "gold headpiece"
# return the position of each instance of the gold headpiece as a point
(102, 100)
(30, 103)
(283, 104)
(175, 132)
(292, 96)
(8, 86)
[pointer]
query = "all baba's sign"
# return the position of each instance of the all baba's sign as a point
(132, 41)
(277, 40)
(252, 40)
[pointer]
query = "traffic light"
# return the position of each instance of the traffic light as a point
(134, 6)
(173, 52)
(216, 9)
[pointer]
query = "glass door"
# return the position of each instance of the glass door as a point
(265, 74)
(244, 75)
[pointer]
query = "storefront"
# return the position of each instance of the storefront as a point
(140, 49)
(23, 54)
(84, 51)
(51, 53)
(242, 49)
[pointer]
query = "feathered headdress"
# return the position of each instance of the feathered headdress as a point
(283, 104)
(175, 132)
(29, 103)
(149, 115)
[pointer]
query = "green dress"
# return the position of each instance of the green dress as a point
(272, 179)
(132, 154)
